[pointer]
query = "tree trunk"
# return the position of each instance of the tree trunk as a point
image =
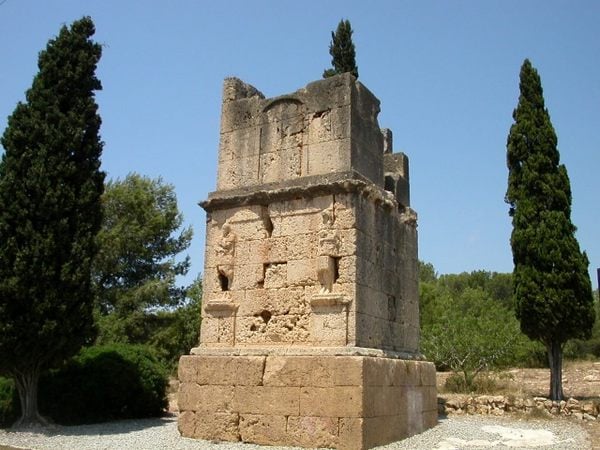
(555, 354)
(27, 386)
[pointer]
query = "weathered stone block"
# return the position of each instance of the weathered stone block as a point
(329, 319)
(382, 401)
(381, 430)
(234, 174)
(327, 157)
(263, 429)
(268, 400)
(320, 127)
(186, 424)
(217, 426)
(274, 275)
(206, 399)
(337, 401)
(412, 376)
(285, 164)
(311, 432)
(316, 371)
(209, 331)
(276, 301)
(274, 330)
(429, 398)
(429, 419)
(239, 143)
(381, 371)
(427, 374)
(240, 113)
(224, 370)
(352, 433)
(301, 272)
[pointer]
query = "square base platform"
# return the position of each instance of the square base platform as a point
(346, 402)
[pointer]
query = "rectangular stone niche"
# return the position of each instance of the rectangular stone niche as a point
(346, 402)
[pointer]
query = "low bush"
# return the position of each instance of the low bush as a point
(102, 383)
(485, 383)
(9, 402)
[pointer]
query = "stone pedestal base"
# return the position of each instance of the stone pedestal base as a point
(348, 402)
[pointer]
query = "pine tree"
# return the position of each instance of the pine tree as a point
(50, 213)
(341, 49)
(552, 286)
(140, 243)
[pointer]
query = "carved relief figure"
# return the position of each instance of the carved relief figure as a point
(329, 244)
(226, 252)
(329, 240)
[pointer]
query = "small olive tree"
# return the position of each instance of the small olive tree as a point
(469, 332)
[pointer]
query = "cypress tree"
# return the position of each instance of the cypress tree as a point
(341, 49)
(553, 294)
(50, 213)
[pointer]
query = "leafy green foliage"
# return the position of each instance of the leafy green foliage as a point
(341, 49)
(9, 402)
(178, 330)
(469, 333)
(484, 384)
(102, 383)
(50, 213)
(552, 286)
(590, 348)
(136, 268)
(466, 325)
(497, 285)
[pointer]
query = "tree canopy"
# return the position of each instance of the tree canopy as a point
(341, 49)
(551, 283)
(138, 262)
(467, 322)
(50, 213)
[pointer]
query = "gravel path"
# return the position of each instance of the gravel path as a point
(462, 432)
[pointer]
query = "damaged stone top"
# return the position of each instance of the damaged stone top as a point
(328, 127)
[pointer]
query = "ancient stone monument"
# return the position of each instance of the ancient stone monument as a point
(310, 314)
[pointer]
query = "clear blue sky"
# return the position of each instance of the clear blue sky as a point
(446, 73)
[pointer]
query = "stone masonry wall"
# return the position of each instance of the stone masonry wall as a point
(262, 294)
(266, 269)
(309, 401)
(310, 315)
(387, 310)
(308, 132)
(292, 258)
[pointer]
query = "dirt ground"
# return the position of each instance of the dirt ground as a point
(581, 380)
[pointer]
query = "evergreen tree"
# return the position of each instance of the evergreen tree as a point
(136, 267)
(552, 287)
(50, 213)
(341, 49)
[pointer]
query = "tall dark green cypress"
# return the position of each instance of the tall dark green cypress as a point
(341, 49)
(553, 292)
(50, 213)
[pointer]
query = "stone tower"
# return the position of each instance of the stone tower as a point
(310, 314)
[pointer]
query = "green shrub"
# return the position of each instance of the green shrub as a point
(590, 348)
(484, 383)
(9, 403)
(102, 383)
